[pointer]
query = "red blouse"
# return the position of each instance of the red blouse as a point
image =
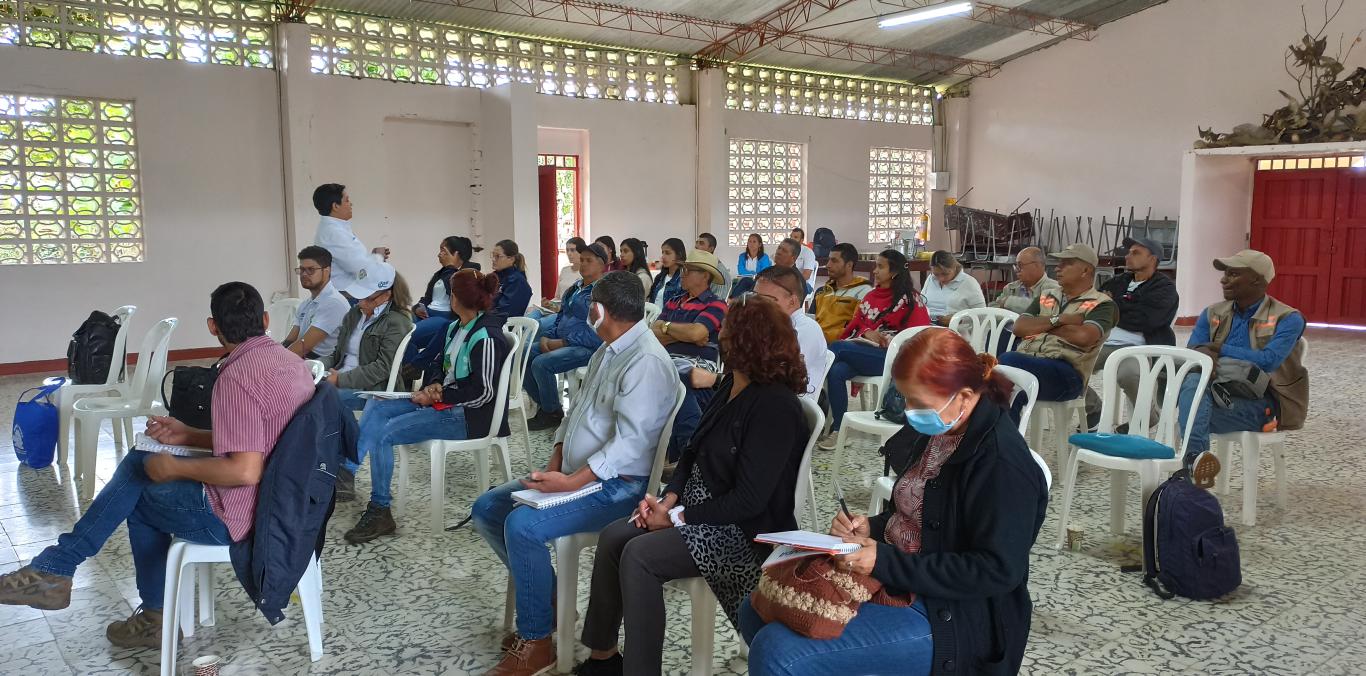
(872, 315)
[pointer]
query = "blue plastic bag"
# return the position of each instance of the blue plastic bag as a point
(35, 426)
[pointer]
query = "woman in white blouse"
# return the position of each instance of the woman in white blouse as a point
(950, 289)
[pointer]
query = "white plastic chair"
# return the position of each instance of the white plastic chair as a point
(1153, 360)
(283, 314)
(524, 329)
(142, 398)
(114, 381)
(867, 421)
(1252, 444)
(316, 368)
(1064, 416)
(397, 364)
(180, 598)
(703, 600)
(984, 326)
(568, 548)
(1026, 383)
(652, 313)
(440, 448)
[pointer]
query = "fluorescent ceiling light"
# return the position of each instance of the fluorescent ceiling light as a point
(926, 13)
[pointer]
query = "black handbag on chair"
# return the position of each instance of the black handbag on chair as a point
(191, 394)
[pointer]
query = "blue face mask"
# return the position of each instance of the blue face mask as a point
(927, 421)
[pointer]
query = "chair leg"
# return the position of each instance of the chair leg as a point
(87, 458)
(1119, 488)
(840, 440)
(185, 598)
(128, 432)
(64, 403)
(116, 429)
(1252, 458)
(1221, 451)
(206, 595)
(811, 499)
(504, 456)
(439, 489)
(703, 630)
(1069, 477)
(481, 468)
(311, 599)
(171, 608)
(566, 603)
(509, 605)
(1278, 459)
(401, 495)
(1149, 479)
(526, 436)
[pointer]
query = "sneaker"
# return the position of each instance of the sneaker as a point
(1204, 470)
(827, 442)
(34, 588)
(611, 666)
(545, 420)
(142, 629)
(526, 658)
(376, 521)
(346, 486)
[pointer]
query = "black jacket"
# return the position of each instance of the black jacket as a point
(1149, 310)
(750, 468)
(980, 517)
(478, 390)
(294, 501)
(444, 276)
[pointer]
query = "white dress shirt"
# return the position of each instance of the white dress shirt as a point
(812, 342)
(806, 260)
(324, 313)
(348, 254)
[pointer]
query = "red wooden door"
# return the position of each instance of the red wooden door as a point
(1347, 281)
(550, 244)
(1293, 222)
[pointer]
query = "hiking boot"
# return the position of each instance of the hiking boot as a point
(526, 658)
(827, 442)
(545, 420)
(1204, 470)
(142, 629)
(346, 486)
(34, 588)
(611, 666)
(376, 521)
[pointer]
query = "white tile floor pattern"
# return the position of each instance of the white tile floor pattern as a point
(423, 604)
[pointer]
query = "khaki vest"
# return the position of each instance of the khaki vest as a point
(1290, 381)
(1050, 346)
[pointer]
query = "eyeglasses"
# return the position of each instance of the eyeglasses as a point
(310, 271)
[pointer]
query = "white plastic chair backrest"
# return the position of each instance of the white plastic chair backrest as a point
(885, 380)
(500, 404)
(983, 326)
(317, 369)
(1153, 360)
(116, 365)
(1047, 473)
(1027, 383)
(815, 421)
(397, 364)
(651, 313)
(662, 448)
(151, 366)
(282, 316)
(524, 328)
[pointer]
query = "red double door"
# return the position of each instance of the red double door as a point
(1312, 222)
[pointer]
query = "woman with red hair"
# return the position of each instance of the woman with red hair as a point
(735, 479)
(951, 549)
(457, 402)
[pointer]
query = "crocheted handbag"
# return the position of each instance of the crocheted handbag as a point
(811, 597)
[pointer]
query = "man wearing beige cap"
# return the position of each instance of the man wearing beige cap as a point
(1247, 327)
(688, 327)
(1062, 334)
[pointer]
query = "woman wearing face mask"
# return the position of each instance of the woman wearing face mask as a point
(952, 548)
(669, 281)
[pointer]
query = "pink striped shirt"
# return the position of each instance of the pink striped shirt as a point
(259, 388)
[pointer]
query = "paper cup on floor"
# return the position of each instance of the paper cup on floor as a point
(1074, 536)
(206, 665)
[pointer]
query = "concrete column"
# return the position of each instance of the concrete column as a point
(296, 119)
(955, 123)
(508, 202)
(712, 154)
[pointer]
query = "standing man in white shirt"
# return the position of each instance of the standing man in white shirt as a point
(314, 335)
(349, 256)
(806, 258)
(609, 436)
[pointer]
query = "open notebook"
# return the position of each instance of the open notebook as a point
(806, 540)
(142, 442)
(540, 500)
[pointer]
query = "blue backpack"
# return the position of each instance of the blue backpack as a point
(822, 242)
(35, 426)
(1187, 549)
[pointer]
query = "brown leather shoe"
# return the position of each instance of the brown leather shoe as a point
(1204, 470)
(142, 629)
(508, 641)
(34, 588)
(526, 658)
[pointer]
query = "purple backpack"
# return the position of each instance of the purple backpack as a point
(1187, 549)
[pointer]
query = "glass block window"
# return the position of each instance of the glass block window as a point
(200, 31)
(765, 190)
(69, 188)
(431, 53)
(771, 90)
(1344, 162)
(898, 197)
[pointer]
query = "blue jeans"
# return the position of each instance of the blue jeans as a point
(879, 640)
(851, 359)
(519, 534)
(1245, 415)
(154, 511)
(542, 368)
(386, 424)
(429, 339)
(1058, 380)
(352, 401)
(695, 401)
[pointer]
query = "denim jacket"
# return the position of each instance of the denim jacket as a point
(571, 324)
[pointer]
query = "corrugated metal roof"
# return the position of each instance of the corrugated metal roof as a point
(855, 22)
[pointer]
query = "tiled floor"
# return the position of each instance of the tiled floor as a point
(419, 603)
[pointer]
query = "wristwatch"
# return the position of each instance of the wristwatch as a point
(674, 516)
(1054, 319)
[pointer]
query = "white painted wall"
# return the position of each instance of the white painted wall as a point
(1085, 127)
(209, 147)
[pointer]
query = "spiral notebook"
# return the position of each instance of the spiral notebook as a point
(808, 541)
(541, 500)
(142, 442)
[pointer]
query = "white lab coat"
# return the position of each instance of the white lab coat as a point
(349, 255)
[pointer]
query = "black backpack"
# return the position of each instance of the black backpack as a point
(1187, 549)
(191, 395)
(822, 242)
(91, 350)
